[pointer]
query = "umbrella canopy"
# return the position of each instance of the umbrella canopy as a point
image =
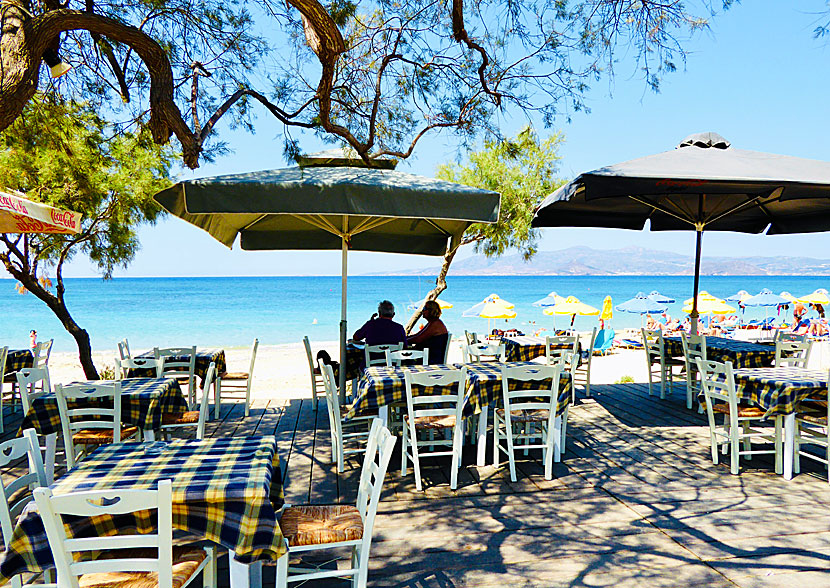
(702, 184)
(571, 305)
(607, 313)
(661, 298)
(817, 297)
(704, 296)
(710, 306)
(790, 298)
(442, 304)
(765, 298)
(642, 304)
(739, 296)
(18, 214)
(551, 299)
(491, 307)
(324, 204)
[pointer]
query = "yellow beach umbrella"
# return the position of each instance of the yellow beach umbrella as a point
(572, 306)
(442, 304)
(491, 307)
(607, 311)
(817, 297)
(702, 297)
(714, 306)
(788, 296)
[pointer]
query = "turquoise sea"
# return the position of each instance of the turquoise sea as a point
(278, 310)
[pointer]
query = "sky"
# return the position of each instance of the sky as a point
(757, 77)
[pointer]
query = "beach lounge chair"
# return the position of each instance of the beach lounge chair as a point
(604, 341)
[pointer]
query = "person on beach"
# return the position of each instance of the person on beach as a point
(433, 336)
(381, 329)
(798, 312)
(33, 340)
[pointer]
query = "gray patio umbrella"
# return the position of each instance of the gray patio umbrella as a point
(332, 202)
(702, 184)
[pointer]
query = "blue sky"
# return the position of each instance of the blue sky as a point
(758, 78)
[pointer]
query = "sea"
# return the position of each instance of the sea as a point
(232, 311)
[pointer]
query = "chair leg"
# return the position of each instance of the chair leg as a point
(416, 461)
(747, 440)
(457, 436)
(496, 426)
(217, 398)
(510, 451)
(209, 575)
(779, 446)
(662, 381)
(282, 571)
(551, 443)
(735, 448)
(248, 399)
(404, 443)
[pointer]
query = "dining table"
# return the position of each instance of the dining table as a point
(526, 348)
(225, 490)
(742, 354)
(204, 357)
(381, 387)
(144, 402)
(17, 359)
(779, 392)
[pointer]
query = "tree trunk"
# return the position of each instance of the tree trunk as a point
(440, 284)
(58, 307)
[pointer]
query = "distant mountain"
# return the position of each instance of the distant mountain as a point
(630, 261)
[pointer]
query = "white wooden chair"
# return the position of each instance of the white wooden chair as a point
(694, 348)
(129, 560)
(812, 429)
(314, 371)
(434, 412)
(471, 337)
(34, 383)
(16, 498)
(782, 335)
(4, 353)
(379, 354)
(409, 355)
(192, 418)
(478, 352)
(87, 427)
(124, 349)
(581, 371)
(529, 415)
(353, 439)
(658, 363)
(184, 371)
(792, 353)
(718, 384)
(123, 366)
(447, 347)
(312, 528)
(235, 384)
(42, 352)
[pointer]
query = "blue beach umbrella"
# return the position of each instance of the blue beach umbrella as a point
(657, 297)
(739, 296)
(551, 299)
(765, 298)
(642, 304)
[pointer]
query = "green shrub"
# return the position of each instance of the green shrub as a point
(625, 380)
(107, 372)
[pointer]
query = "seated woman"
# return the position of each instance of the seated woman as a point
(433, 336)
(818, 327)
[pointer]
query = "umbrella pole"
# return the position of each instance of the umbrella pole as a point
(698, 243)
(344, 254)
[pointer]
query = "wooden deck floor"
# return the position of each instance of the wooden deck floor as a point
(635, 502)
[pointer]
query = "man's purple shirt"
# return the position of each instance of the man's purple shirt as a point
(380, 331)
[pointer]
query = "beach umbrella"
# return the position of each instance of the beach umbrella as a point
(765, 298)
(491, 307)
(739, 296)
(790, 298)
(662, 299)
(817, 297)
(332, 201)
(550, 300)
(572, 306)
(642, 304)
(18, 214)
(607, 311)
(420, 304)
(709, 306)
(703, 184)
(703, 296)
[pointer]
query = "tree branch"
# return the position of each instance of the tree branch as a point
(459, 33)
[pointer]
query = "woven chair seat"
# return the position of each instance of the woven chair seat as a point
(524, 415)
(433, 422)
(186, 560)
(101, 436)
(814, 403)
(743, 411)
(816, 418)
(191, 417)
(234, 376)
(318, 525)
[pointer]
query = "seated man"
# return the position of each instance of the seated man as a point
(381, 329)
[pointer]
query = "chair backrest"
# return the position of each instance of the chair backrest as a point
(65, 550)
(471, 337)
(33, 383)
(103, 413)
(439, 403)
(792, 353)
(593, 344)
(409, 355)
(377, 354)
(653, 344)
(477, 352)
(254, 347)
(332, 399)
(204, 405)
(123, 366)
(177, 361)
(4, 353)
(309, 355)
(694, 347)
(781, 335)
(541, 396)
(379, 449)
(16, 498)
(562, 346)
(718, 383)
(124, 349)
(42, 352)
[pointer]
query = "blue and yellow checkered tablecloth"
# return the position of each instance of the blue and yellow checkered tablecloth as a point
(381, 386)
(144, 401)
(17, 359)
(526, 348)
(742, 354)
(779, 391)
(224, 490)
(204, 357)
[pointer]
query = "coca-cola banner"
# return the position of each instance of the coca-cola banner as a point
(18, 214)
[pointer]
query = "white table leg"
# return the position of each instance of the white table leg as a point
(245, 575)
(483, 417)
(149, 435)
(383, 413)
(789, 445)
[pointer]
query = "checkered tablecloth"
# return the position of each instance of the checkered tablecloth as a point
(779, 390)
(143, 403)
(204, 357)
(742, 354)
(380, 386)
(224, 490)
(526, 348)
(17, 359)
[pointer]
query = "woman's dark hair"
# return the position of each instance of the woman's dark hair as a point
(432, 310)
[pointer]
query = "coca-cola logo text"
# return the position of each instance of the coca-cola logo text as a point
(64, 218)
(13, 204)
